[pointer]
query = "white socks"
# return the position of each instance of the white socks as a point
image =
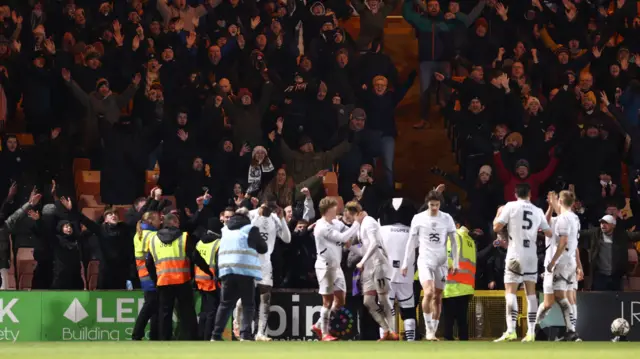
(574, 309)
(388, 310)
(4, 274)
(376, 311)
(428, 322)
(324, 320)
(410, 329)
(263, 313)
(532, 309)
(567, 312)
(511, 312)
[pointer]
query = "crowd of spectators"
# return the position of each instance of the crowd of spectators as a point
(236, 101)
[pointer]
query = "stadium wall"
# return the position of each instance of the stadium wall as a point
(110, 316)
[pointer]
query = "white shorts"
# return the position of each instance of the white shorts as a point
(403, 292)
(330, 280)
(436, 274)
(528, 272)
(267, 275)
(562, 279)
(375, 278)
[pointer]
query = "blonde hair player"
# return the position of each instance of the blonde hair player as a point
(329, 241)
(375, 272)
(560, 260)
(522, 220)
(431, 229)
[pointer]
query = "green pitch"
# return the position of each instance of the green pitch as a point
(316, 350)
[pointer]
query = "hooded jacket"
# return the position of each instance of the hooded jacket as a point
(169, 234)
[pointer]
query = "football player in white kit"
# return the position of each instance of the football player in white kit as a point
(431, 229)
(270, 220)
(560, 261)
(523, 220)
(329, 242)
(374, 267)
(394, 238)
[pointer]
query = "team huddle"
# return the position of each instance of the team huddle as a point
(390, 253)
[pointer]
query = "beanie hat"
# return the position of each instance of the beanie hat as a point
(244, 92)
(304, 140)
(482, 22)
(258, 149)
(485, 169)
(101, 82)
(522, 163)
(533, 99)
(562, 49)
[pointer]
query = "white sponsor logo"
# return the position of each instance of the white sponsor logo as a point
(76, 312)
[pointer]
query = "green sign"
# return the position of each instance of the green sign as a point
(71, 316)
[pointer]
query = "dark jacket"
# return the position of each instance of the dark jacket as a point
(433, 33)
(591, 238)
(168, 235)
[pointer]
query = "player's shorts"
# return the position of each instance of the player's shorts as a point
(528, 272)
(562, 279)
(330, 280)
(436, 274)
(403, 292)
(267, 275)
(374, 277)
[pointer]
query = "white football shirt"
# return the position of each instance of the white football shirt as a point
(270, 228)
(566, 224)
(431, 232)
(395, 238)
(373, 248)
(329, 241)
(523, 220)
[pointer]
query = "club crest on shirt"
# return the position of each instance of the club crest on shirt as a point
(433, 225)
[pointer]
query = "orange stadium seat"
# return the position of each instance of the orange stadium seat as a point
(81, 164)
(93, 214)
(92, 275)
(25, 139)
(87, 182)
(25, 265)
(87, 200)
(330, 183)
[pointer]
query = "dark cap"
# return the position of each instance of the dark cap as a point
(92, 55)
(359, 114)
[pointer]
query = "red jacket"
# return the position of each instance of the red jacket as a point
(510, 180)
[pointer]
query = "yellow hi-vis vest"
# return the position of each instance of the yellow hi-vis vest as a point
(208, 252)
(463, 282)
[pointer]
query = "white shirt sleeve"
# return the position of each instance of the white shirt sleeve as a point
(562, 226)
(504, 215)
(329, 233)
(371, 230)
(412, 243)
(544, 226)
(253, 214)
(283, 230)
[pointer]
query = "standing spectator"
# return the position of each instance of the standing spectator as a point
(608, 259)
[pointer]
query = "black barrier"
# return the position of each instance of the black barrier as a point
(597, 310)
(293, 313)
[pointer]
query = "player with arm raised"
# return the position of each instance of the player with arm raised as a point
(522, 220)
(560, 261)
(329, 242)
(375, 271)
(432, 228)
(270, 220)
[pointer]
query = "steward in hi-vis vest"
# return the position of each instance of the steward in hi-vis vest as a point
(172, 252)
(460, 287)
(208, 286)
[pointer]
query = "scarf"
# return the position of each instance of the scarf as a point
(255, 175)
